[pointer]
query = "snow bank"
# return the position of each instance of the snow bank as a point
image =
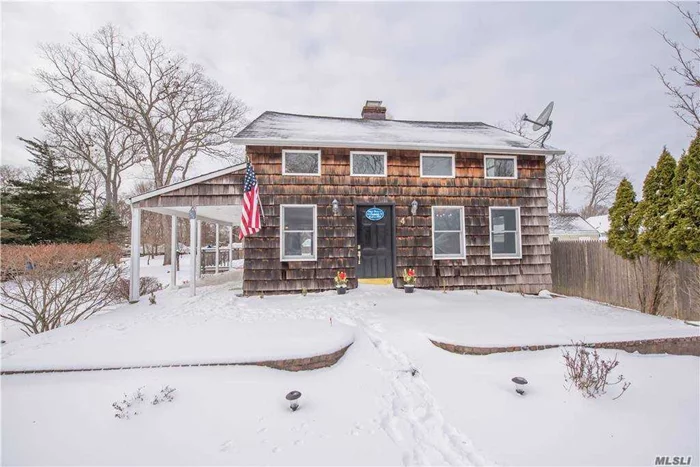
(213, 327)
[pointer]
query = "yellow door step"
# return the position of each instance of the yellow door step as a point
(376, 280)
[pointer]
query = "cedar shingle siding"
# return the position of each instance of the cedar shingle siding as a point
(337, 249)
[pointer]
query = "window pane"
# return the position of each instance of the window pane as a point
(301, 163)
(298, 218)
(298, 244)
(437, 166)
(447, 219)
(368, 164)
(504, 243)
(503, 219)
(500, 167)
(448, 243)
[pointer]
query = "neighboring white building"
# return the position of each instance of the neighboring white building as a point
(601, 224)
(569, 227)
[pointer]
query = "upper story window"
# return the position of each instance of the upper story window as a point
(505, 232)
(298, 232)
(501, 167)
(448, 232)
(437, 165)
(301, 162)
(367, 164)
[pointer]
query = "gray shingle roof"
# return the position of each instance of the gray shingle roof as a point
(281, 129)
(569, 224)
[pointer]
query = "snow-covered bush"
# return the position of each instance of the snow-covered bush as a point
(165, 395)
(589, 373)
(147, 286)
(54, 285)
(127, 407)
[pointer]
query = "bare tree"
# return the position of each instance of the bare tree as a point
(561, 170)
(516, 125)
(57, 284)
(138, 83)
(153, 234)
(86, 178)
(12, 172)
(600, 177)
(682, 80)
(86, 138)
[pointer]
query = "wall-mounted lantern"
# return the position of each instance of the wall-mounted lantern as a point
(414, 207)
(336, 207)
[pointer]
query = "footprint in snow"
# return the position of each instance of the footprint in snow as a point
(225, 447)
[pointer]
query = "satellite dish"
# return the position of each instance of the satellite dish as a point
(541, 122)
(543, 119)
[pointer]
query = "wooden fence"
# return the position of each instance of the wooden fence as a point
(591, 270)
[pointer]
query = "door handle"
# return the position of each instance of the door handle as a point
(359, 254)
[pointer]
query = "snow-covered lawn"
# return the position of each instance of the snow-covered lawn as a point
(368, 409)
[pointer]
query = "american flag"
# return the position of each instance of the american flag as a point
(250, 215)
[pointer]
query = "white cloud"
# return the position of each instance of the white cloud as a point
(446, 61)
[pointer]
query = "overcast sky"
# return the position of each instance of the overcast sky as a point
(450, 61)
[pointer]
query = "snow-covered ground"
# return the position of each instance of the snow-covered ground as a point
(368, 409)
(154, 268)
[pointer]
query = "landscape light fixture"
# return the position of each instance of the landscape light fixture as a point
(336, 207)
(292, 397)
(414, 207)
(520, 382)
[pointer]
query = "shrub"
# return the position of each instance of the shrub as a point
(57, 284)
(126, 408)
(147, 285)
(589, 373)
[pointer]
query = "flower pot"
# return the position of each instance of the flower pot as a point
(341, 290)
(408, 288)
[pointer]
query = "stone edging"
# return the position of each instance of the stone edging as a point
(292, 364)
(667, 345)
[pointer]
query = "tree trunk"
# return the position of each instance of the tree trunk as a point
(167, 223)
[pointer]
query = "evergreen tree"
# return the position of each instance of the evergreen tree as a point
(47, 205)
(624, 225)
(685, 216)
(654, 208)
(108, 227)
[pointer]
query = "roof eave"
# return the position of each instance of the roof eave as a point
(396, 145)
(186, 183)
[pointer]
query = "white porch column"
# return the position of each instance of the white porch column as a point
(173, 252)
(193, 255)
(216, 254)
(230, 247)
(199, 249)
(135, 276)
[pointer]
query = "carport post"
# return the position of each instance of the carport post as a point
(135, 279)
(230, 247)
(193, 251)
(199, 248)
(216, 254)
(173, 252)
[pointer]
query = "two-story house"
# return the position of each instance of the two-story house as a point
(463, 203)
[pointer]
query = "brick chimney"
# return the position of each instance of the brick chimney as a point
(373, 110)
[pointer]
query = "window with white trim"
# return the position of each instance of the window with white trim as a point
(448, 232)
(301, 162)
(437, 165)
(504, 223)
(501, 167)
(298, 232)
(367, 164)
